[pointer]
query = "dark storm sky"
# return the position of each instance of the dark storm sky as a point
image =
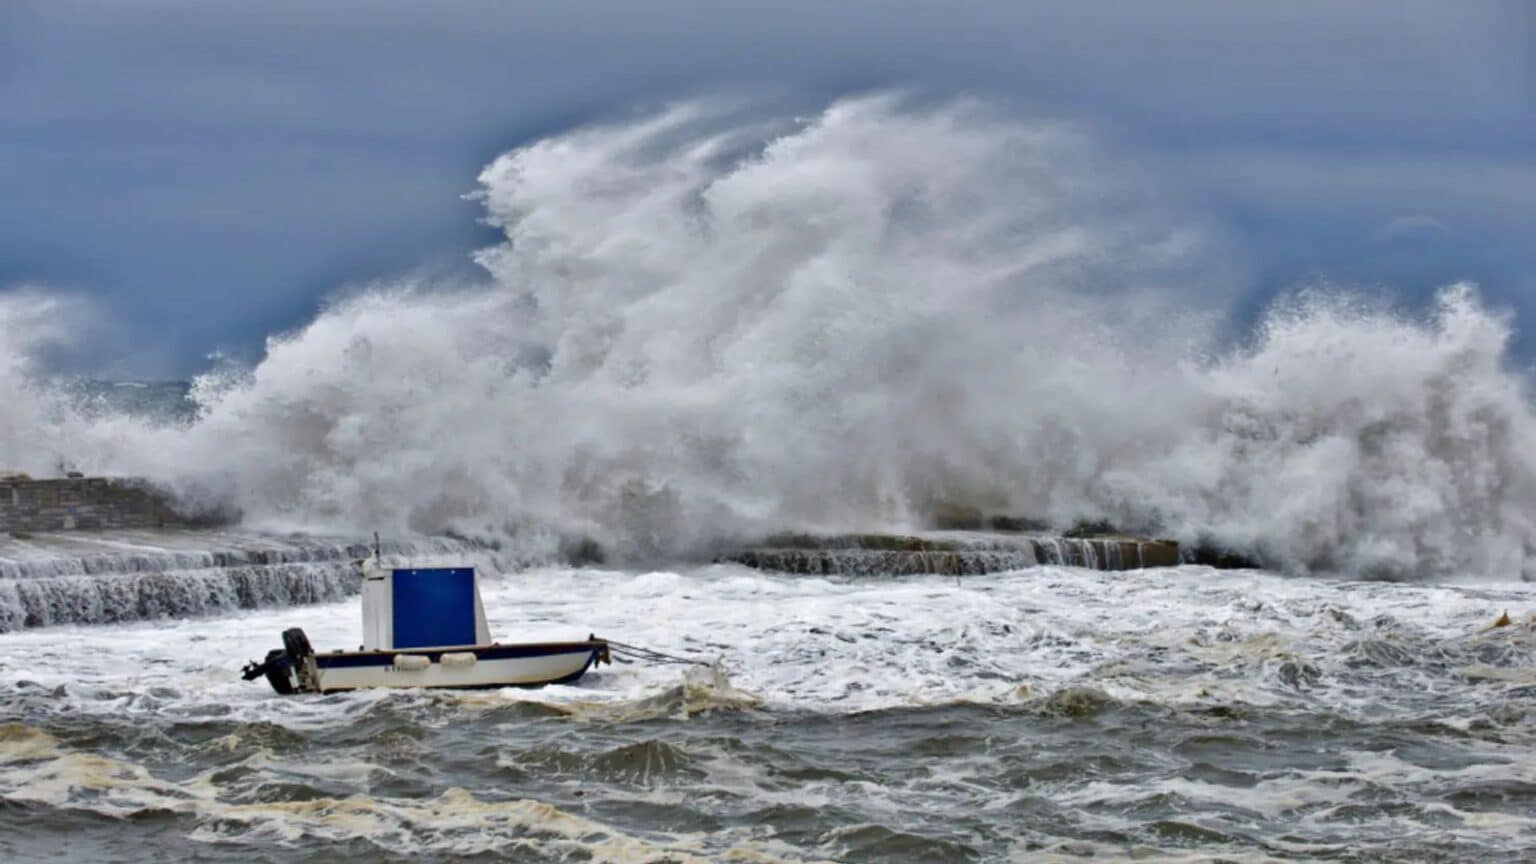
(210, 170)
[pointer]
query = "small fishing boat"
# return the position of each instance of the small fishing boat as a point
(423, 627)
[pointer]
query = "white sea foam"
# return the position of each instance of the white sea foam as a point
(1177, 637)
(694, 329)
(1171, 647)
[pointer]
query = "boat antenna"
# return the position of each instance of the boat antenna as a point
(376, 546)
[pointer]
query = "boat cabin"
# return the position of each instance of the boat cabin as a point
(421, 607)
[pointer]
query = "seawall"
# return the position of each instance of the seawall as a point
(950, 553)
(85, 504)
(105, 577)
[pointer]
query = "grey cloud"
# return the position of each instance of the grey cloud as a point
(210, 170)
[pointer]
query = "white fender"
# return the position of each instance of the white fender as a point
(412, 662)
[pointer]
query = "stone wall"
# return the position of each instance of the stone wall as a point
(967, 553)
(83, 504)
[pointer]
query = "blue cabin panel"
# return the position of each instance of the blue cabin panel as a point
(434, 606)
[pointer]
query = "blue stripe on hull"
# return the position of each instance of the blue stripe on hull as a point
(526, 685)
(355, 659)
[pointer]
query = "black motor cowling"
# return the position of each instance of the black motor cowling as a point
(297, 644)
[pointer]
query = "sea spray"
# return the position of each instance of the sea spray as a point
(854, 321)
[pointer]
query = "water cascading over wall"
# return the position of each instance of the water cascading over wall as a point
(950, 554)
(136, 576)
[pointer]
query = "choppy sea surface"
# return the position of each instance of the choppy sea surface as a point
(1044, 714)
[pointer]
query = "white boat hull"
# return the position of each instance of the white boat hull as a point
(476, 666)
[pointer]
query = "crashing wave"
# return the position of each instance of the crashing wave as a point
(695, 330)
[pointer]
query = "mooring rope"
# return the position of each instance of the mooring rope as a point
(635, 652)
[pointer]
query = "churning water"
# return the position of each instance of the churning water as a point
(697, 330)
(1045, 714)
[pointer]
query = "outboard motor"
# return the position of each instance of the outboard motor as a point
(278, 670)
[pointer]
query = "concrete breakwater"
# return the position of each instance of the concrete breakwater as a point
(950, 553)
(80, 550)
(82, 577)
(97, 550)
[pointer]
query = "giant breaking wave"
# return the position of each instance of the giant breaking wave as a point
(695, 329)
